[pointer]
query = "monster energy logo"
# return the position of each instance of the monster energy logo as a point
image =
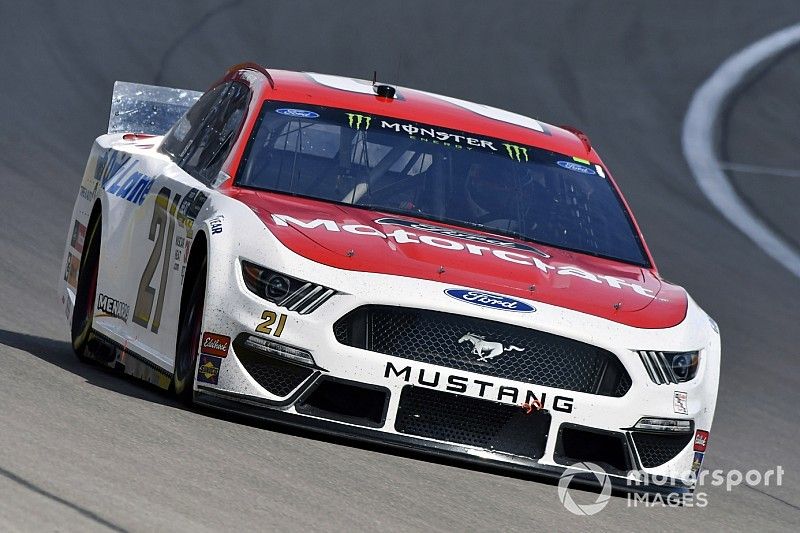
(516, 152)
(354, 120)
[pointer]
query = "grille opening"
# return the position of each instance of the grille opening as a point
(472, 421)
(656, 449)
(604, 448)
(529, 355)
(346, 401)
(277, 376)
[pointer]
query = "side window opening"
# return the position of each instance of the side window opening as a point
(201, 141)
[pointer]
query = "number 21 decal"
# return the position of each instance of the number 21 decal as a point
(146, 295)
(269, 318)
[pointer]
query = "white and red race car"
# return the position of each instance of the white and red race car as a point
(389, 264)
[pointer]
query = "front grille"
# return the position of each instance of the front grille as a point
(278, 377)
(529, 355)
(655, 449)
(471, 421)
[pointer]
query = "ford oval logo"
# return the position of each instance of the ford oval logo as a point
(493, 301)
(575, 167)
(302, 113)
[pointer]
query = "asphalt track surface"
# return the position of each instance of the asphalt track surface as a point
(82, 449)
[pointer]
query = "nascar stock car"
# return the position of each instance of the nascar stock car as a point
(388, 264)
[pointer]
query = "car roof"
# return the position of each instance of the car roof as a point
(418, 106)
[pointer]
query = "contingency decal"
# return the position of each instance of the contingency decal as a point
(78, 236)
(697, 462)
(208, 369)
(403, 237)
(700, 440)
(215, 344)
(112, 308)
(71, 270)
(680, 403)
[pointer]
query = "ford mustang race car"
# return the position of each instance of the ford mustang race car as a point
(388, 264)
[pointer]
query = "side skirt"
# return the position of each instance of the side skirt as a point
(114, 355)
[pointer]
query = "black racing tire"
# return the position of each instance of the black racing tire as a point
(86, 293)
(189, 331)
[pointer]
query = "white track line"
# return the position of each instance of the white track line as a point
(698, 143)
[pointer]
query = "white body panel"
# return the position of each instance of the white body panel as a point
(232, 309)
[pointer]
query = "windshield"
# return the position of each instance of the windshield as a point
(435, 173)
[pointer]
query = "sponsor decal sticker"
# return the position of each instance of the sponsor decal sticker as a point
(78, 236)
(112, 308)
(680, 403)
(429, 133)
(404, 237)
(190, 207)
(71, 271)
(575, 167)
(700, 440)
(300, 113)
(458, 234)
(493, 301)
(697, 462)
(208, 369)
(215, 344)
(516, 152)
(355, 121)
(216, 224)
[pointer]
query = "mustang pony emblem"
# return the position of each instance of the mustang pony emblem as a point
(486, 349)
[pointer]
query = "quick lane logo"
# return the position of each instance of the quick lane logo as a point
(516, 152)
(354, 120)
(112, 308)
(129, 185)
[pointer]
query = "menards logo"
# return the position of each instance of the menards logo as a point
(404, 237)
(354, 120)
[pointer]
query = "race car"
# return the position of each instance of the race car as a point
(392, 265)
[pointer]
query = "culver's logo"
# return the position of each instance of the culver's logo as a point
(493, 301)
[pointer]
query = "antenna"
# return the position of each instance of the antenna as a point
(374, 77)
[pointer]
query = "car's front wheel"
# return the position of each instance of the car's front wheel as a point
(189, 331)
(83, 311)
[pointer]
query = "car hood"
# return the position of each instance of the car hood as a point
(363, 240)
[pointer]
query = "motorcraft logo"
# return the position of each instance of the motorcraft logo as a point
(493, 301)
(404, 237)
(458, 234)
(215, 344)
(112, 308)
(355, 120)
(516, 152)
